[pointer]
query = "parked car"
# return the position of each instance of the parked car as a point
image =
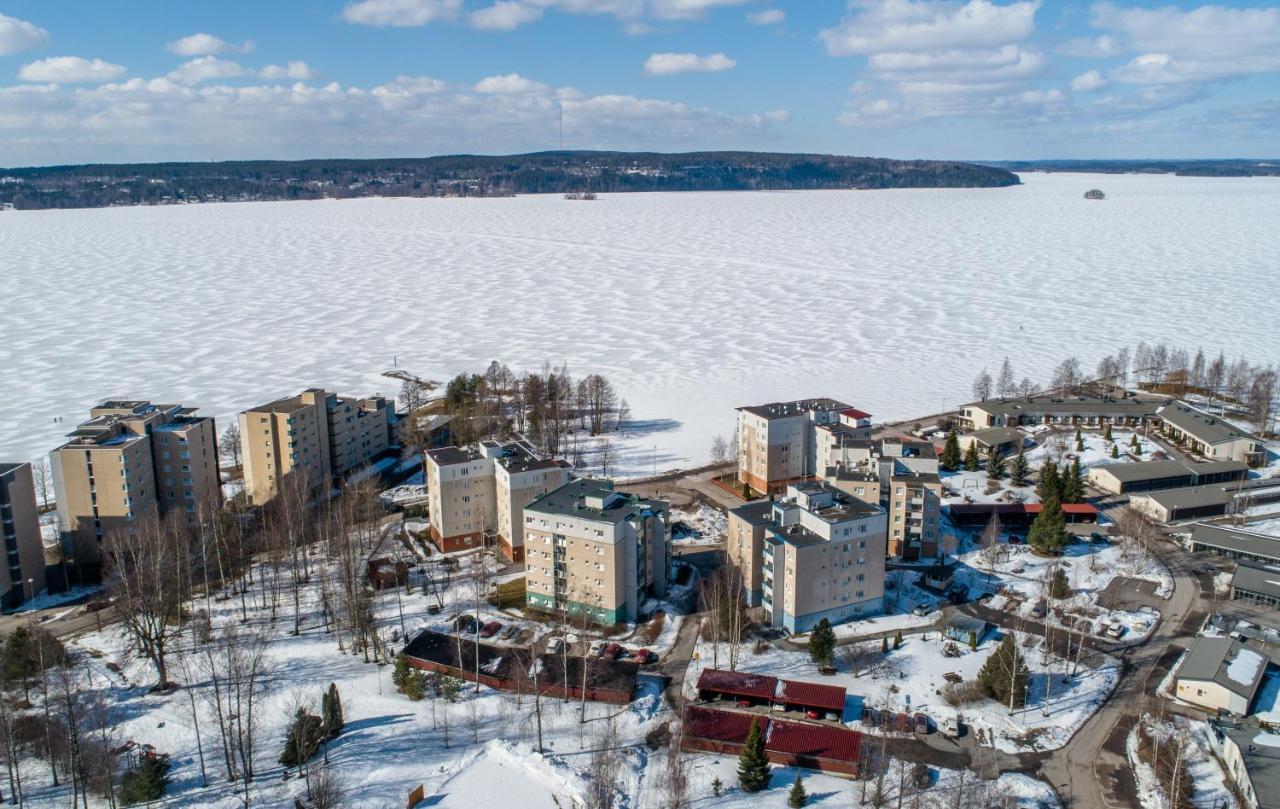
(902, 723)
(1014, 539)
(812, 714)
(1098, 539)
(1038, 610)
(555, 646)
(596, 649)
(834, 716)
(922, 609)
(951, 728)
(744, 703)
(868, 715)
(957, 593)
(466, 624)
(490, 629)
(510, 632)
(1115, 631)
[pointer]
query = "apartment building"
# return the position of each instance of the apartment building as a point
(777, 442)
(591, 549)
(316, 433)
(1210, 436)
(477, 493)
(816, 553)
(1127, 408)
(129, 458)
(22, 575)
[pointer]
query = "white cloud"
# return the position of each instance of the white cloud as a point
(296, 69)
(637, 28)
(922, 25)
(1100, 47)
(511, 84)
(400, 13)
(404, 88)
(668, 64)
(768, 16)
(17, 35)
(205, 68)
(504, 15)
(689, 9)
(70, 70)
(202, 44)
(1088, 82)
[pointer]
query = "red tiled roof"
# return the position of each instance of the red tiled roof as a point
(811, 695)
(1018, 508)
(738, 683)
(720, 726)
(855, 413)
(819, 741)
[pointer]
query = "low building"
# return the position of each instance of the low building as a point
(820, 555)
(1147, 476)
(1017, 515)
(1257, 583)
(593, 550)
(966, 630)
(1005, 440)
(1200, 502)
(1236, 543)
(22, 576)
(476, 495)
(1211, 436)
(1220, 674)
(827, 748)
(1251, 756)
(1124, 409)
(777, 442)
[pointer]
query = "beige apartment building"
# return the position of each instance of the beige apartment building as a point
(481, 493)
(593, 550)
(22, 575)
(316, 433)
(777, 442)
(816, 553)
(129, 458)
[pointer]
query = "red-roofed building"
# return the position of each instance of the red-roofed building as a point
(800, 696)
(715, 731)
(817, 747)
(1017, 513)
(715, 684)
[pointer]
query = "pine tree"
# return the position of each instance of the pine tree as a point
(1079, 444)
(753, 765)
(331, 712)
(1048, 534)
(1115, 451)
(822, 643)
(717, 786)
(1058, 585)
(145, 783)
(1004, 677)
(797, 797)
(971, 457)
(1137, 448)
(897, 640)
(1106, 433)
(1049, 484)
(1079, 436)
(407, 680)
(1073, 484)
(1133, 440)
(884, 645)
(995, 464)
(303, 739)
(951, 458)
(1019, 470)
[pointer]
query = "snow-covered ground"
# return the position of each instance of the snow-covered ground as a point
(332, 292)
(912, 678)
(1061, 446)
(701, 525)
(1210, 784)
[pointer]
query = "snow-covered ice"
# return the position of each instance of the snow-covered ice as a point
(657, 291)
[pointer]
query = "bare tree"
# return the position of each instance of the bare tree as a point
(327, 789)
(147, 585)
(606, 767)
(1215, 375)
(1067, 376)
(719, 450)
(42, 476)
(236, 665)
(982, 386)
(675, 778)
(1262, 396)
(229, 448)
(1005, 384)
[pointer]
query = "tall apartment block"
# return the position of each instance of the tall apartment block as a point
(777, 441)
(593, 550)
(317, 432)
(816, 553)
(474, 493)
(128, 458)
(22, 575)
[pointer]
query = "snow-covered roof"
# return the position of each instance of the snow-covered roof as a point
(1227, 662)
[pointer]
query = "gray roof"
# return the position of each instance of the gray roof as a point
(995, 436)
(1138, 404)
(570, 501)
(1261, 762)
(778, 410)
(1236, 539)
(1213, 494)
(965, 623)
(1210, 659)
(1260, 579)
(448, 456)
(1202, 426)
(1155, 470)
(756, 512)
(6, 468)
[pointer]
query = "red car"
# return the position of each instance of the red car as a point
(490, 629)
(812, 714)
(744, 703)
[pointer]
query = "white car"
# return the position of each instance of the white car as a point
(922, 609)
(555, 646)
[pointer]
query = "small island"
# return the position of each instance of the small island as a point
(1094, 193)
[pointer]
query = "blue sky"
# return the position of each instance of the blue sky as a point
(130, 80)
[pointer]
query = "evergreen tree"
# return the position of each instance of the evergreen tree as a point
(303, 740)
(897, 640)
(797, 797)
(1137, 448)
(1004, 677)
(407, 680)
(1073, 484)
(331, 712)
(1049, 484)
(1058, 585)
(1133, 440)
(1019, 470)
(717, 786)
(884, 645)
(1048, 534)
(822, 643)
(1115, 451)
(1079, 444)
(995, 464)
(1079, 436)
(753, 765)
(1106, 433)
(971, 457)
(951, 458)
(146, 782)
(19, 659)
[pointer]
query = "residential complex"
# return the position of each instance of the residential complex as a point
(816, 553)
(22, 575)
(1147, 476)
(316, 433)
(1210, 436)
(477, 493)
(1127, 409)
(593, 550)
(777, 442)
(1199, 502)
(129, 458)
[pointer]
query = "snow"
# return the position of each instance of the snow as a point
(1097, 452)
(45, 600)
(704, 525)
(328, 292)
(1245, 667)
(1267, 739)
(1269, 527)
(1210, 784)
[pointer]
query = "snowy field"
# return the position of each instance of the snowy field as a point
(644, 288)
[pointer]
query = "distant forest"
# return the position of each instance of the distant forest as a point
(97, 186)
(1183, 168)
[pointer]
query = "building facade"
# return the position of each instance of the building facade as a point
(1127, 409)
(1210, 436)
(1220, 674)
(592, 550)
(317, 434)
(22, 574)
(777, 442)
(478, 494)
(129, 458)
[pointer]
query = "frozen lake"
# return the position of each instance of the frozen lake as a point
(692, 303)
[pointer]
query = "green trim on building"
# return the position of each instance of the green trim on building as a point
(598, 614)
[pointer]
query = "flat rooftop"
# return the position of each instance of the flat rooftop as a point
(572, 500)
(779, 410)
(1131, 405)
(1156, 470)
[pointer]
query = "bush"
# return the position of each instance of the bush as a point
(962, 693)
(305, 735)
(147, 781)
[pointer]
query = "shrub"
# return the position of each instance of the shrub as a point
(147, 781)
(305, 735)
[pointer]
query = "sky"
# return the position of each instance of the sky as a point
(140, 80)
